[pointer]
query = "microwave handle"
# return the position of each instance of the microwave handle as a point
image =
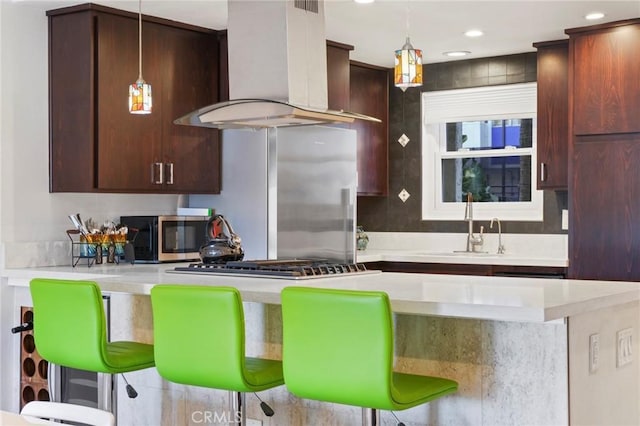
(152, 225)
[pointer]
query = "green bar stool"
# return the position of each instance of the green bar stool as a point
(338, 347)
(199, 339)
(70, 330)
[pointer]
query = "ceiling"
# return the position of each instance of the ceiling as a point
(379, 28)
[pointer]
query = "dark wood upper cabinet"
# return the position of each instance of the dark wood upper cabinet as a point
(606, 87)
(370, 96)
(553, 114)
(338, 75)
(71, 104)
(126, 144)
(190, 82)
(223, 66)
(95, 144)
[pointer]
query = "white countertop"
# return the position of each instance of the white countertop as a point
(15, 419)
(493, 298)
(422, 256)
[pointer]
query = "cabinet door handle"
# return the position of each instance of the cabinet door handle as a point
(169, 173)
(543, 172)
(159, 168)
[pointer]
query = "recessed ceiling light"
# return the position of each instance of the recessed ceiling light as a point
(457, 53)
(474, 33)
(594, 15)
(364, 1)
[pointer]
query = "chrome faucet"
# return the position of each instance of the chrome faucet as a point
(500, 246)
(474, 242)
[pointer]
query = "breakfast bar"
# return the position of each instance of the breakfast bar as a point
(473, 297)
(518, 347)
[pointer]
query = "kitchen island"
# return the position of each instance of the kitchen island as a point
(519, 347)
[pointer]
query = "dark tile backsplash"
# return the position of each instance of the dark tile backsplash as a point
(390, 214)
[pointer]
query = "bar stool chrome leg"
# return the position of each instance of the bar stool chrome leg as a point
(370, 417)
(237, 408)
(108, 393)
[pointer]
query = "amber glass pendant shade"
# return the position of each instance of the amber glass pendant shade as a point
(408, 67)
(140, 98)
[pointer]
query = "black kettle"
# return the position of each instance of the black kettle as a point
(224, 245)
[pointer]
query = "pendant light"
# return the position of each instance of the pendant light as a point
(408, 64)
(140, 91)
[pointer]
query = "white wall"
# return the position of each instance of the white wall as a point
(610, 395)
(243, 201)
(33, 221)
(1, 134)
(4, 312)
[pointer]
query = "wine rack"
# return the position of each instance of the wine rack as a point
(34, 369)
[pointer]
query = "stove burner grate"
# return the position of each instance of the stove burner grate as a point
(296, 268)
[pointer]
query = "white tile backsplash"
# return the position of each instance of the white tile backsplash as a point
(37, 253)
(532, 245)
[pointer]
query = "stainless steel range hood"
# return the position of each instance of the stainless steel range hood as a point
(277, 69)
(261, 113)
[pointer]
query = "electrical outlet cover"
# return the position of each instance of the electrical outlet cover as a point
(624, 349)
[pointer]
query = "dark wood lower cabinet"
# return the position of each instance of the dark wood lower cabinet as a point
(470, 269)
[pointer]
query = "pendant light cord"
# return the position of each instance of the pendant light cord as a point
(139, 39)
(407, 19)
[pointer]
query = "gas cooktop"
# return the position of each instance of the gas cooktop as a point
(293, 269)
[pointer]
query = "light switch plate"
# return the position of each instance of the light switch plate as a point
(565, 219)
(594, 352)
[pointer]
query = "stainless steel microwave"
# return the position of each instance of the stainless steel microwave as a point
(167, 238)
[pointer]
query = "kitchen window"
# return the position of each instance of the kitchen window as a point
(483, 141)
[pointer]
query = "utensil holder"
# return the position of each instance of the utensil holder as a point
(82, 247)
(109, 247)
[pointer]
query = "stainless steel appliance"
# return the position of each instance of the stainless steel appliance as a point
(289, 184)
(295, 269)
(291, 51)
(167, 238)
(290, 192)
